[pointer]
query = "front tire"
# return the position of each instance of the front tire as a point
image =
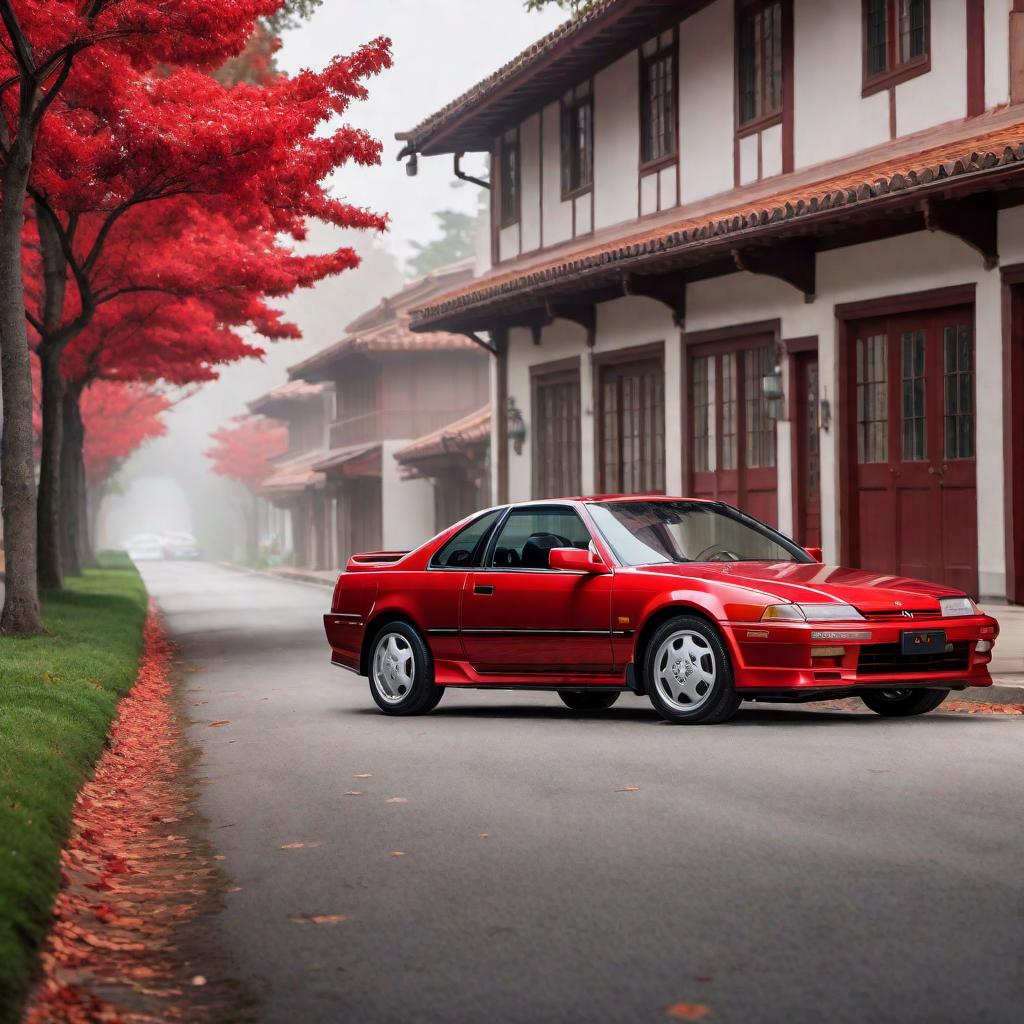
(402, 671)
(688, 673)
(583, 701)
(904, 703)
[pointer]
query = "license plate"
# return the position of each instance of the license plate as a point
(923, 641)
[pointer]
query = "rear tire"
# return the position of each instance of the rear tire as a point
(583, 701)
(688, 673)
(904, 703)
(402, 671)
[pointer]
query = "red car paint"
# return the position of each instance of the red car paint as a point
(556, 628)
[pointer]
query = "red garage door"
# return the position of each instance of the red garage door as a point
(913, 503)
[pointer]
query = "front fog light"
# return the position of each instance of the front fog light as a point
(983, 646)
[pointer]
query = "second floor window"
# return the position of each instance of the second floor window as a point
(895, 36)
(759, 62)
(577, 140)
(657, 105)
(508, 160)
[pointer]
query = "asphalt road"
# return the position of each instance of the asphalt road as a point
(794, 865)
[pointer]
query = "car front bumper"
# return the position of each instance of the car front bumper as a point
(776, 656)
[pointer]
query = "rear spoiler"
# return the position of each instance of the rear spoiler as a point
(373, 559)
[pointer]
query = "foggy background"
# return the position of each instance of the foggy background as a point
(440, 49)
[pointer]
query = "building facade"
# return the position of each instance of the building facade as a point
(391, 386)
(297, 520)
(770, 252)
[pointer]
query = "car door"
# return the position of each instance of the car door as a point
(521, 617)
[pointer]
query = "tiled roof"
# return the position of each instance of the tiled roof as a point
(395, 336)
(597, 37)
(294, 476)
(339, 458)
(293, 391)
(472, 429)
(907, 175)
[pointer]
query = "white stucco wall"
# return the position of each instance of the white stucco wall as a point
(706, 101)
(408, 505)
(616, 141)
(941, 94)
(997, 52)
(530, 180)
(831, 118)
(557, 214)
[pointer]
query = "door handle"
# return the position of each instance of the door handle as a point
(484, 589)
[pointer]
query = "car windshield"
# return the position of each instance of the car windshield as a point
(657, 532)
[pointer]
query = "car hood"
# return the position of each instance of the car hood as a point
(808, 583)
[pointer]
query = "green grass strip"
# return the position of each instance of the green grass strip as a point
(58, 696)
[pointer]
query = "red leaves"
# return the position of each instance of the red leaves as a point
(118, 419)
(123, 845)
(243, 450)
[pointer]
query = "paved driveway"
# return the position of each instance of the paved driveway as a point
(794, 865)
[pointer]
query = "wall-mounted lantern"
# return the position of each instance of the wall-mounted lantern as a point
(772, 389)
(516, 426)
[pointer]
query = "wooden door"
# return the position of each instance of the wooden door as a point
(732, 434)
(913, 498)
(807, 450)
(631, 445)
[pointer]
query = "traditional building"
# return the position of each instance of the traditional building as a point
(455, 459)
(295, 489)
(391, 386)
(770, 251)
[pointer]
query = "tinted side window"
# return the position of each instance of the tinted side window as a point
(529, 534)
(458, 553)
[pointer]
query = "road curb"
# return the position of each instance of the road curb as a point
(289, 576)
(1009, 691)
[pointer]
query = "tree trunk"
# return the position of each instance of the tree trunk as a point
(71, 497)
(48, 517)
(50, 570)
(21, 613)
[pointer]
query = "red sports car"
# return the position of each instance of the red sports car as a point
(690, 602)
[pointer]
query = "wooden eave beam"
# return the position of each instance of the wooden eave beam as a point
(973, 219)
(668, 289)
(790, 261)
(583, 314)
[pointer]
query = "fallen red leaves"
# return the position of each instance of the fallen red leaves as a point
(130, 879)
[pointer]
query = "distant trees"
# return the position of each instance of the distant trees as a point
(242, 451)
(457, 242)
(162, 206)
(574, 7)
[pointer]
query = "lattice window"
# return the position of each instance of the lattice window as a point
(915, 444)
(872, 400)
(958, 392)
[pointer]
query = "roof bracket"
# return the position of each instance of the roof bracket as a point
(477, 340)
(583, 314)
(792, 262)
(973, 219)
(669, 290)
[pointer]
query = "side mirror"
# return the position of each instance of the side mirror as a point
(576, 560)
(815, 553)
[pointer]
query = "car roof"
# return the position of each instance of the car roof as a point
(590, 498)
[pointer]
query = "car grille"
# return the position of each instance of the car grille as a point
(886, 659)
(898, 616)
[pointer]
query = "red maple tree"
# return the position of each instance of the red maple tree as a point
(145, 159)
(118, 419)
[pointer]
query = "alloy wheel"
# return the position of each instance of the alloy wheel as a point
(394, 667)
(685, 670)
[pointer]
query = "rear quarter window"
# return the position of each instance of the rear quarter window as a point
(465, 549)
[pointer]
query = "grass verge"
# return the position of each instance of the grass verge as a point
(58, 696)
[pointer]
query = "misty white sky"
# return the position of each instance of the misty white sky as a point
(441, 48)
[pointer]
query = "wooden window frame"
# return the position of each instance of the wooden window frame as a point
(896, 71)
(745, 10)
(509, 218)
(654, 352)
(670, 50)
(569, 103)
(561, 371)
